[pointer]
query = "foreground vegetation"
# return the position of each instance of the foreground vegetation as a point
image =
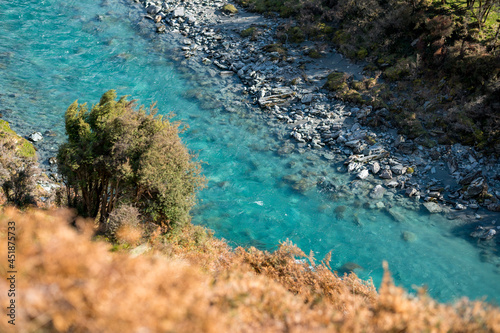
(140, 268)
(192, 282)
(439, 60)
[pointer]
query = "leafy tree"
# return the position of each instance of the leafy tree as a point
(117, 155)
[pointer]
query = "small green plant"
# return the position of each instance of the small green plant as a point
(229, 9)
(336, 81)
(248, 32)
(313, 53)
(277, 47)
(295, 35)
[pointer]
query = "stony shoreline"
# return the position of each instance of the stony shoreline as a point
(287, 85)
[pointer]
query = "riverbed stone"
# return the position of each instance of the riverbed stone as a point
(363, 174)
(398, 169)
(307, 99)
(494, 207)
(374, 167)
(377, 192)
(411, 191)
(408, 236)
(476, 188)
(179, 12)
(386, 174)
(35, 137)
(433, 207)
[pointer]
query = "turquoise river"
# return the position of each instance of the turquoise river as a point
(53, 52)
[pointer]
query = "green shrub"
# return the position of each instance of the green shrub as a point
(296, 35)
(248, 32)
(336, 81)
(116, 154)
(362, 54)
(313, 53)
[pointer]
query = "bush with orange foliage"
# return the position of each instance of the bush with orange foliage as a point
(192, 282)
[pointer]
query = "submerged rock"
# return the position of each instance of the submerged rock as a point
(395, 215)
(433, 207)
(377, 192)
(408, 236)
(494, 207)
(484, 233)
(339, 211)
(349, 267)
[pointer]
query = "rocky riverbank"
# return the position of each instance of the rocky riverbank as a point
(220, 41)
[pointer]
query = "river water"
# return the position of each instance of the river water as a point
(54, 52)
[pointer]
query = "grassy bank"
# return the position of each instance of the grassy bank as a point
(434, 65)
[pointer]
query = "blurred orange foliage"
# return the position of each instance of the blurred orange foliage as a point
(66, 282)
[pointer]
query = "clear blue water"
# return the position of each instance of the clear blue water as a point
(53, 52)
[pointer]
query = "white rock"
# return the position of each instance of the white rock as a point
(363, 174)
(375, 167)
(433, 207)
(179, 12)
(35, 137)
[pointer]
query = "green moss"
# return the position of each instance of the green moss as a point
(314, 54)
(248, 32)
(24, 148)
(370, 139)
(296, 35)
(358, 85)
(410, 170)
(362, 54)
(353, 96)
(341, 37)
(5, 128)
(336, 81)
(370, 83)
(229, 9)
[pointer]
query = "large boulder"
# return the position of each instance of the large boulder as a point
(476, 188)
